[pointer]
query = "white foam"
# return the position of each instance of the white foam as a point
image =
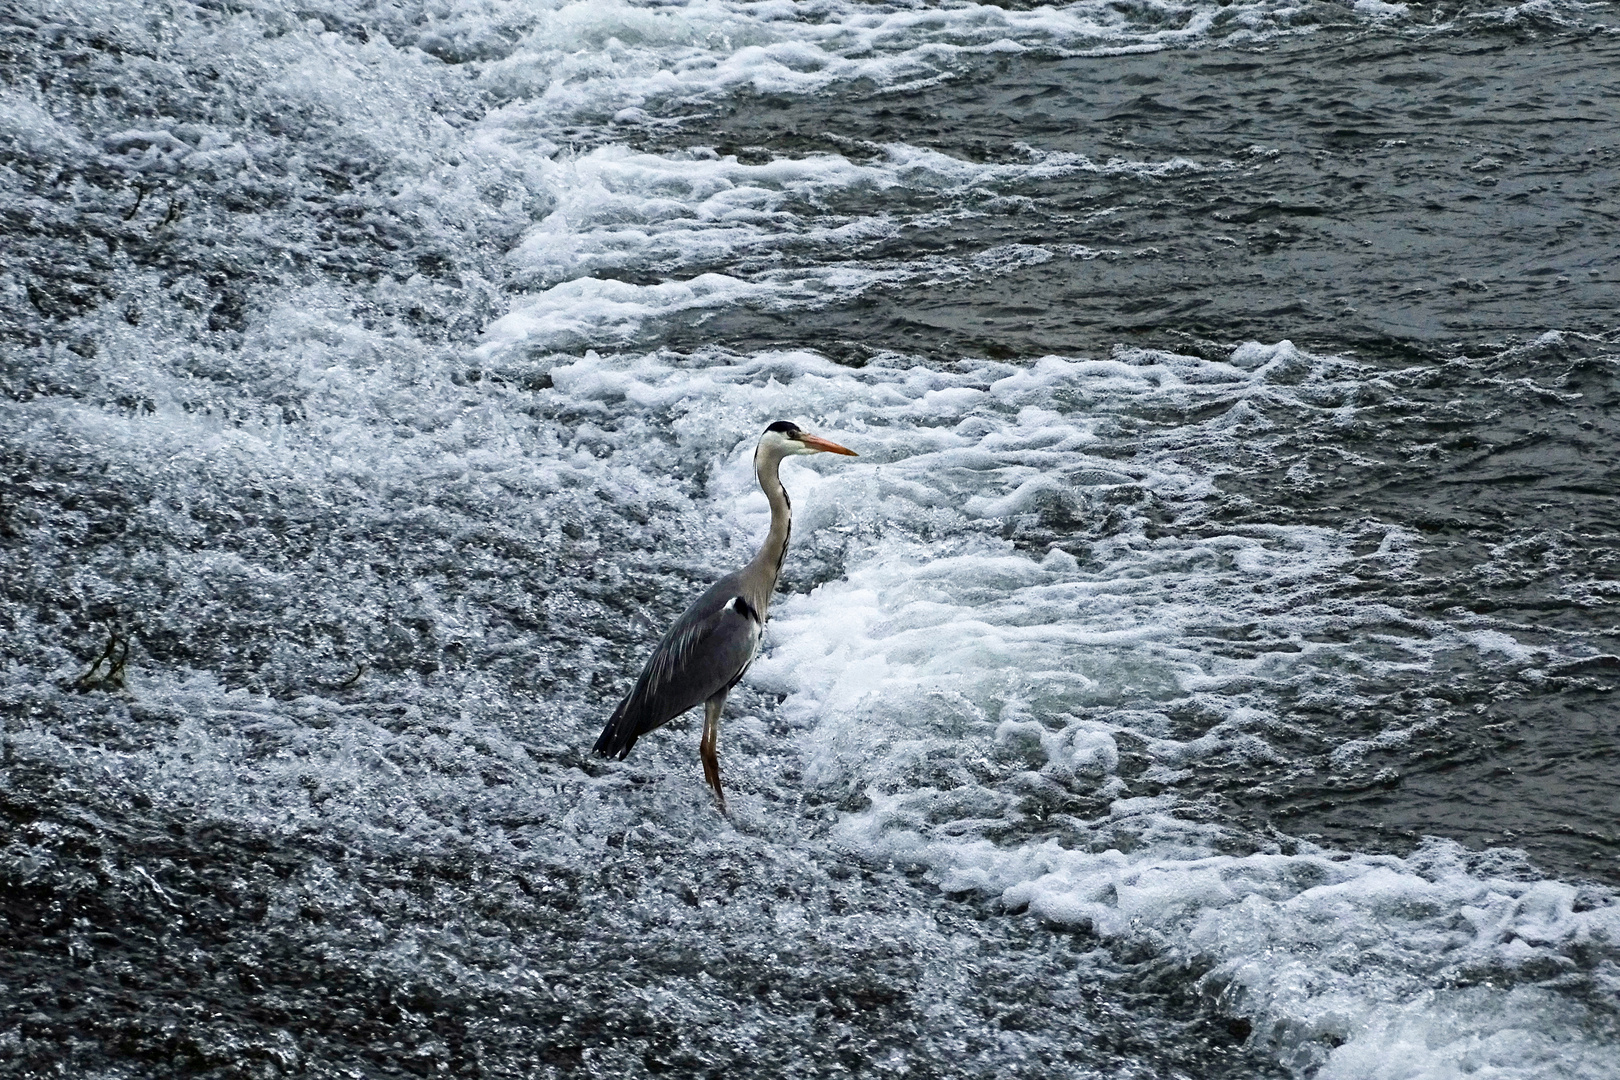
(592, 311)
(580, 61)
(1378, 10)
(1360, 966)
(26, 125)
(618, 212)
(615, 208)
(1494, 641)
(1558, 12)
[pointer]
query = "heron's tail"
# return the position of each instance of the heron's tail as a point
(619, 735)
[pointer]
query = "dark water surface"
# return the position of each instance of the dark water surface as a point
(1206, 670)
(1435, 192)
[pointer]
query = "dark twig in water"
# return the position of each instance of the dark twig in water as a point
(113, 655)
(346, 683)
(176, 207)
(140, 197)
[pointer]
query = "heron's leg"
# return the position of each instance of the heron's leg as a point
(711, 736)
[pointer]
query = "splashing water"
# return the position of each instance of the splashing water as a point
(1202, 671)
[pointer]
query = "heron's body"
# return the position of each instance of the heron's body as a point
(702, 656)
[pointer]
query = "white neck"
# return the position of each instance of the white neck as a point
(766, 565)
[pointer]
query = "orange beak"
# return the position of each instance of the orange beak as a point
(816, 442)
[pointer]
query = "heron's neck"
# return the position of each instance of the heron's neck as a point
(767, 563)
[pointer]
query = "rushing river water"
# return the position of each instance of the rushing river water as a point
(1206, 670)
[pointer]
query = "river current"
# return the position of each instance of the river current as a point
(1205, 670)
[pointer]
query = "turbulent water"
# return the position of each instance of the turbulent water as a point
(1207, 668)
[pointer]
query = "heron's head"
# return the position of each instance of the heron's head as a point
(785, 438)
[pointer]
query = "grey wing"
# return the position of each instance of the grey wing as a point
(706, 651)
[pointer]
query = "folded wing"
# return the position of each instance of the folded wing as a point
(705, 652)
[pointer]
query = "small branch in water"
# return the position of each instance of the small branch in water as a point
(176, 206)
(346, 683)
(113, 656)
(140, 197)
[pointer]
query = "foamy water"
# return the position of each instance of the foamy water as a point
(388, 380)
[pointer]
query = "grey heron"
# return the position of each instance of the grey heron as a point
(703, 655)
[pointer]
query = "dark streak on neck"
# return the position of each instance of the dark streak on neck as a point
(781, 554)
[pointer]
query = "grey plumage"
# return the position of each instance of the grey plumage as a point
(708, 649)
